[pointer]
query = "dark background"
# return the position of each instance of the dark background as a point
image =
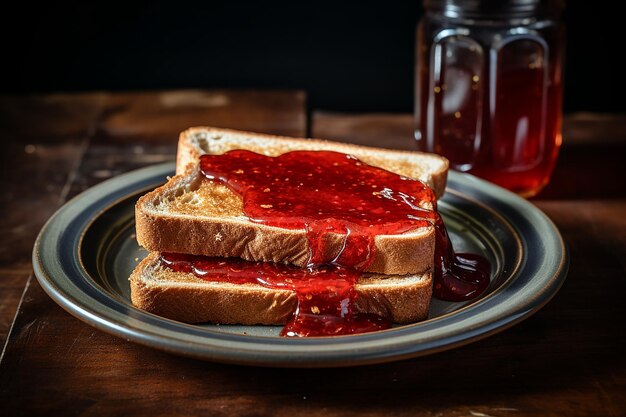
(348, 55)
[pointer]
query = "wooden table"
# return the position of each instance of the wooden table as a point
(566, 360)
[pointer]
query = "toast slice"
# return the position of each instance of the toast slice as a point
(192, 215)
(184, 297)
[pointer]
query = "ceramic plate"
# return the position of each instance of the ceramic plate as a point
(87, 250)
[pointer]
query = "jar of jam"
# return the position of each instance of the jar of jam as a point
(489, 88)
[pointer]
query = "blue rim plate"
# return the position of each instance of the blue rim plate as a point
(84, 254)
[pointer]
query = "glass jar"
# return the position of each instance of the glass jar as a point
(489, 88)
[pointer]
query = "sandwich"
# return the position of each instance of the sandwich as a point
(323, 237)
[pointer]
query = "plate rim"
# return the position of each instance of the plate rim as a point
(249, 350)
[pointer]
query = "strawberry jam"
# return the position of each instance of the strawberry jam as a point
(325, 294)
(326, 192)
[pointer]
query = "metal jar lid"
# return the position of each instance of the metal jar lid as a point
(495, 9)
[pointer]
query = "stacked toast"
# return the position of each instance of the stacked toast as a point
(200, 216)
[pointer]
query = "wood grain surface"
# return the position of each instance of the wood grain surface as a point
(56, 146)
(565, 360)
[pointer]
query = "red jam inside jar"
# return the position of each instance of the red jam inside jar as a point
(489, 90)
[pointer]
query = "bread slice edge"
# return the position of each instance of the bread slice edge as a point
(183, 297)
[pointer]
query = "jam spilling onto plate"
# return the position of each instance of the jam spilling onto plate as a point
(457, 276)
(329, 193)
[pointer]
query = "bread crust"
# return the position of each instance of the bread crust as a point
(183, 297)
